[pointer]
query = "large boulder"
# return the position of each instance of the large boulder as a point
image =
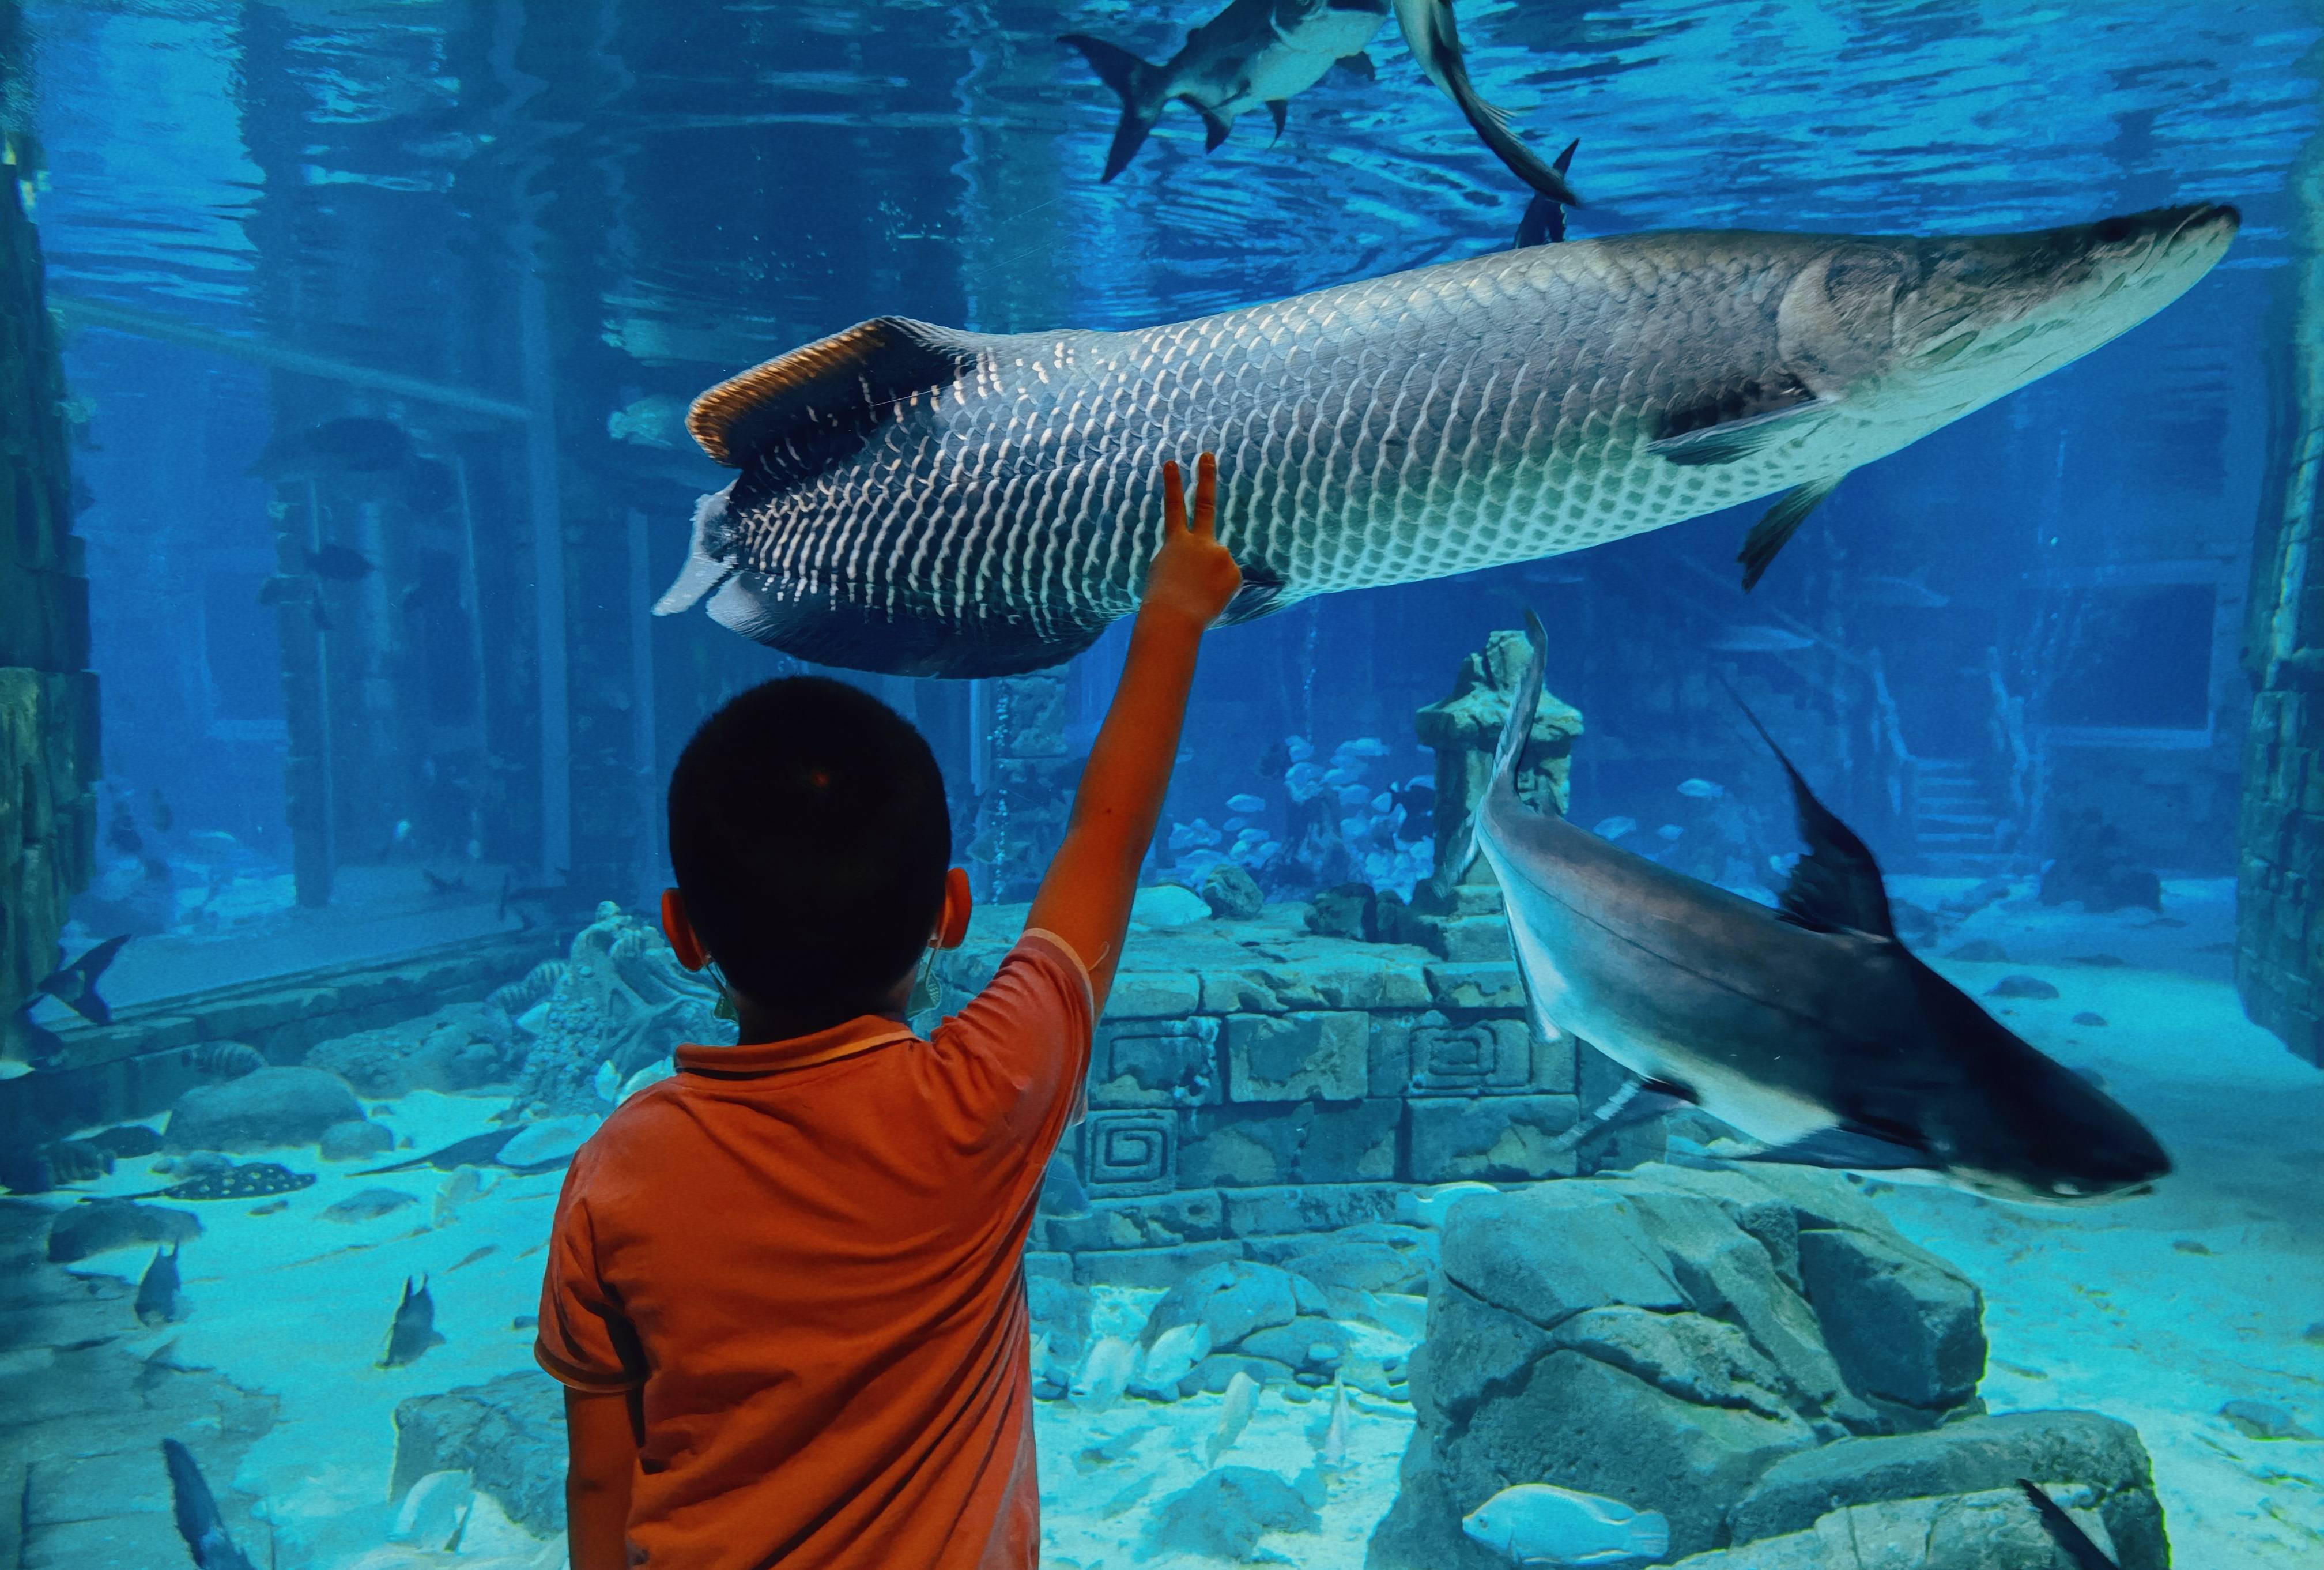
(1263, 1320)
(260, 1111)
(1694, 1313)
(1995, 1529)
(507, 1434)
(2098, 1455)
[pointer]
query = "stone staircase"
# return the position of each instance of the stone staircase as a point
(1958, 820)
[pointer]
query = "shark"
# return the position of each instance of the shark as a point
(1810, 1028)
(921, 501)
(1262, 53)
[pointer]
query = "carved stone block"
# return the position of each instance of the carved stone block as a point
(1129, 1153)
(1297, 1057)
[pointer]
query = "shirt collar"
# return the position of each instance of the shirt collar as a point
(861, 1034)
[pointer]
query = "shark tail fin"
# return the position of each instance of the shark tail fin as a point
(1139, 84)
(1434, 40)
(1523, 705)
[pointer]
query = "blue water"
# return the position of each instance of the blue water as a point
(586, 214)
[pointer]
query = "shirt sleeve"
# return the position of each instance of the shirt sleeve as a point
(1023, 1043)
(583, 1332)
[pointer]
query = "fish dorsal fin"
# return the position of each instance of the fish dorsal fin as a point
(836, 387)
(1836, 885)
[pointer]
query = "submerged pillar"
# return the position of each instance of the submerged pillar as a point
(47, 697)
(2280, 860)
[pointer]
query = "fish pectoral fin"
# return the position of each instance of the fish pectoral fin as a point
(1359, 64)
(1770, 418)
(1264, 591)
(1847, 1147)
(1216, 126)
(1781, 522)
(1280, 110)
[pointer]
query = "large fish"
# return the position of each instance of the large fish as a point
(1811, 1028)
(927, 501)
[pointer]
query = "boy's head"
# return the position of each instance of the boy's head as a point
(808, 831)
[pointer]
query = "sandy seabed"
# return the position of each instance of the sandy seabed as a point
(2156, 1309)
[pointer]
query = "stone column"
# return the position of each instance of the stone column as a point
(1020, 817)
(2280, 885)
(47, 697)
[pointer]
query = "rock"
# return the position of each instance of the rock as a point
(1905, 1327)
(1342, 910)
(1995, 1529)
(1234, 1299)
(507, 1434)
(1168, 905)
(1717, 1322)
(2262, 1420)
(2093, 866)
(1308, 1344)
(1979, 951)
(354, 1140)
(2088, 1018)
(1368, 1257)
(1224, 1513)
(103, 1225)
(1231, 893)
(260, 1111)
(2021, 986)
(1971, 1456)
(376, 1063)
(1217, 1372)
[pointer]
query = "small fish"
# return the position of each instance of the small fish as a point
(1540, 1523)
(366, 1205)
(271, 1207)
(96, 1226)
(1610, 828)
(1105, 1373)
(339, 563)
(157, 1290)
(1121, 1503)
(2065, 1531)
(1245, 803)
(470, 1258)
(199, 1521)
(1332, 1447)
(459, 1188)
(1543, 222)
(1701, 789)
(1235, 1416)
(607, 1083)
(401, 832)
(1092, 1457)
(251, 1180)
(1761, 641)
(1910, 593)
(1362, 747)
(1173, 1356)
(227, 1059)
(74, 985)
(76, 1161)
(413, 1330)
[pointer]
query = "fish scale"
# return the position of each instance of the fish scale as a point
(923, 501)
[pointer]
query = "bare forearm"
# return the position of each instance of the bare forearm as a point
(598, 1524)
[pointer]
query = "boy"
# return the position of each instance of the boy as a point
(785, 1289)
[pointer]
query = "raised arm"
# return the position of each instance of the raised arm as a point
(1085, 897)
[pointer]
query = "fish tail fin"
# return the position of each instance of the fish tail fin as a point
(1649, 1535)
(703, 571)
(1139, 84)
(1430, 32)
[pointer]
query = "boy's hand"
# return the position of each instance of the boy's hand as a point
(1192, 573)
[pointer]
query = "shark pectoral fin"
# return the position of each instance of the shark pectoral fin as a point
(1842, 1146)
(1140, 85)
(1215, 126)
(1781, 522)
(1358, 64)
(1279, 110)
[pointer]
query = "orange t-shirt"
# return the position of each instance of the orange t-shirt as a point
(810, 1255)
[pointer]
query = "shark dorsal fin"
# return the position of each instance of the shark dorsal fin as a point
(1836, 884)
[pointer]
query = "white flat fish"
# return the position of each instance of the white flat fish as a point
(1542, 1524)
(1172, 1357)
(1105, 1373)
(1235, 1416)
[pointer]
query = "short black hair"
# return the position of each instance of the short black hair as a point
(810, 837)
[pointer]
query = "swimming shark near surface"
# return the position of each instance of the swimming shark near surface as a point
(926, 502)
(1262, 53)
(1811, 1027)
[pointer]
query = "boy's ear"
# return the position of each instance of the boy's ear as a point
(952, 924)
(680, 931)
